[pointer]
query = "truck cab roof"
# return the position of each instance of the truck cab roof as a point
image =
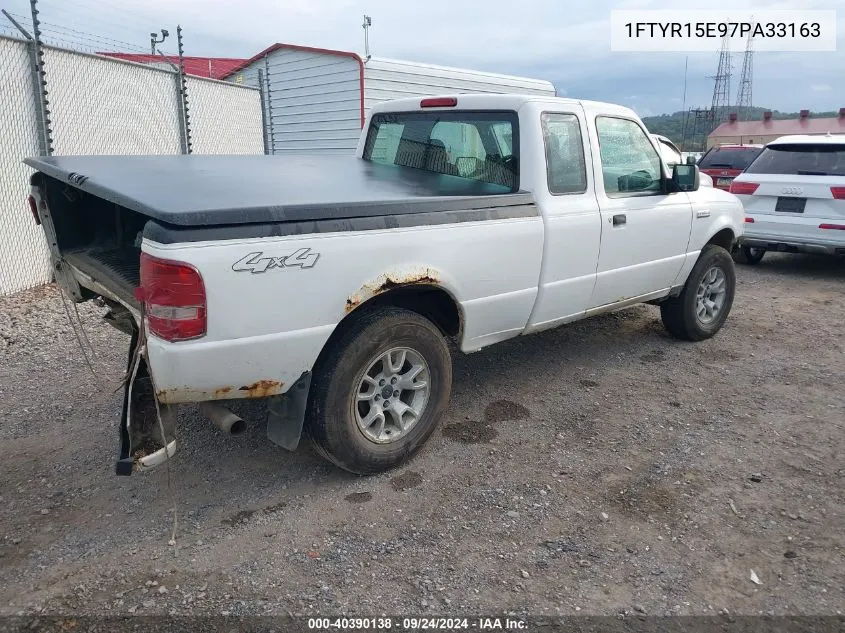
(496, 102)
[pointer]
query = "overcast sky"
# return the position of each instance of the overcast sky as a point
(564, 41)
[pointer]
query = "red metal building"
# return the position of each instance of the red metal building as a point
(767, 129)
(212, 67)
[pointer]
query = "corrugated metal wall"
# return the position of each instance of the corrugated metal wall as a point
(314, 100)
(313, 97)
(387, 79)
(100, 106)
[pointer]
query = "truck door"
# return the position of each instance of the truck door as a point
(572, 221)
(645, 231)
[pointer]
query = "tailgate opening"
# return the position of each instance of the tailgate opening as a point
(98, 238)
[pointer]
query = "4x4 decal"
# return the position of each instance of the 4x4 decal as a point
(258, 263)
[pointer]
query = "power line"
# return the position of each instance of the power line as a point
(103, 17)
(78, 38)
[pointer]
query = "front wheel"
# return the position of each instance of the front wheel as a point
(748, 255)
(380, 390)
(706, 299)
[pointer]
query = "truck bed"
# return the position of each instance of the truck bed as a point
(116, 268)
(202, 191)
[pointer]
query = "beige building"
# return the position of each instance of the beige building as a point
(734, 132)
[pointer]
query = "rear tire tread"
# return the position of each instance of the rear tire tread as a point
(330, 424)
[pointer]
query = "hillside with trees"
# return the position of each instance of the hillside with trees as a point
(672, 125)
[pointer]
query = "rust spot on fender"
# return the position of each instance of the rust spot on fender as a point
(261, 389)
(390, 281)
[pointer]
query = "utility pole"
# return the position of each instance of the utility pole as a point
(746, 80)
(722, 86)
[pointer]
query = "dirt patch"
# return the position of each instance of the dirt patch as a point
(654, 356)
(589, 384)
(407, 480)
(470, 432)
(504, 410)
(276, 507)
(359, 497)
(238, 518)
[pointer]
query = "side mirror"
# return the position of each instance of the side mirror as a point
(691, 160)
(686, 177)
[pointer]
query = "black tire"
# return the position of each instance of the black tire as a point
(679, 313)
(747, 255)
(331, 421)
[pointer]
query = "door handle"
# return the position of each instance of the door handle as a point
(619, 219)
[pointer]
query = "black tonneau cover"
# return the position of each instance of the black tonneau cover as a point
(204, 191)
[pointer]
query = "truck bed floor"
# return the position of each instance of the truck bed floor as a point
(118, 269)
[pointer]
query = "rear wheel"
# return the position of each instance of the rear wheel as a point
(748, 255)
(704, 303)
(380, 391)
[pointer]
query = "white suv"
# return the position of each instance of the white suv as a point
(794, 198)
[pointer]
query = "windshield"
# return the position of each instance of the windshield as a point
(480, 146)
(801, 159)
(729, 157)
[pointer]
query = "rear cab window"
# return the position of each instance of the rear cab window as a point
(566, 167)
(801, 159)
(729, 158)
(481, 146)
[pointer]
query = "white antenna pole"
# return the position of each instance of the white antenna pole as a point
(367, 24)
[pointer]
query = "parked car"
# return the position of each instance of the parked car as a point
(726, 162)
(330, 284)
(794, 198)
(673, 156)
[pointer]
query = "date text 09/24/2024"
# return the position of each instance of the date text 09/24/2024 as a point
(416, 624)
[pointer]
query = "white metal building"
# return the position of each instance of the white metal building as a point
(316, 99)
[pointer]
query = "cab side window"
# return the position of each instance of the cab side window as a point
(566, 167)
(630, 164)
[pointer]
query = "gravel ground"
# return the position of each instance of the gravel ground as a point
(601, 468)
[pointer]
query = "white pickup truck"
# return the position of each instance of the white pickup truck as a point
(330, 285)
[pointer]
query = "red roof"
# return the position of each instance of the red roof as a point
(781, 127)
(294, 47)
(212, 67)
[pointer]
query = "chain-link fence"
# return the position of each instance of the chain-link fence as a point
(24, 260)
(224, 118)
(101, 105)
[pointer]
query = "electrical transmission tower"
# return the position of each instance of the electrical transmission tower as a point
(722, 85)
(746, 81)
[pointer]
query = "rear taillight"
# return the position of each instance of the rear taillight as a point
(174, 299)
(33, 207)
(749, 220)
(439, 102)
(838, 193)
(743, 188)
(833, 227)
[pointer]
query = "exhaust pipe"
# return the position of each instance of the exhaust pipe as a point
(223, 419)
